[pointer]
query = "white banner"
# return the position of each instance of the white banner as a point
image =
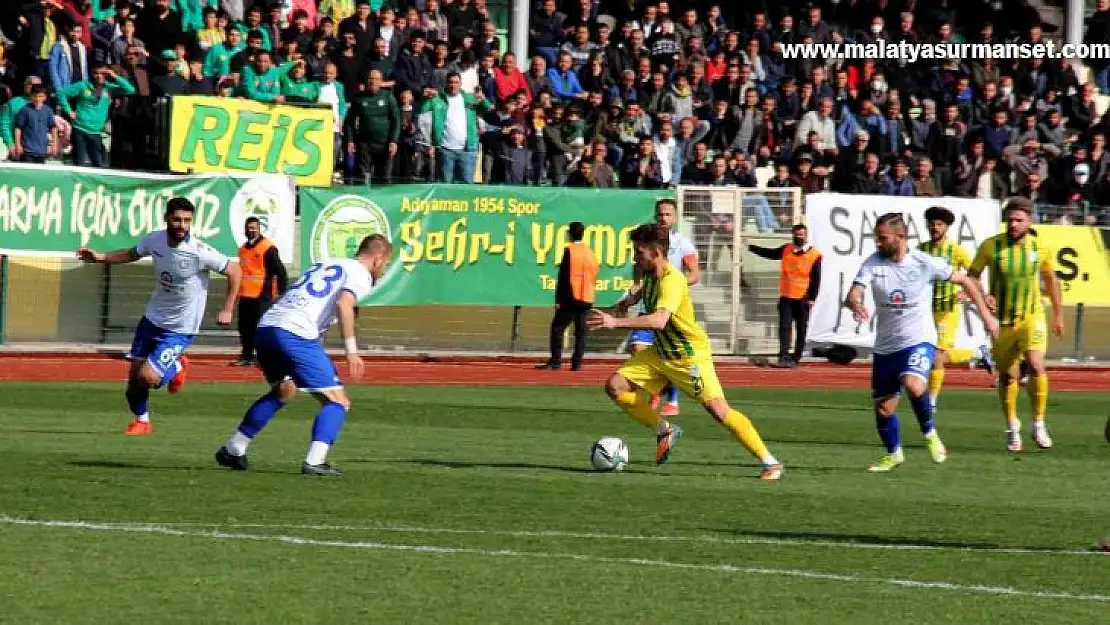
(842, 228)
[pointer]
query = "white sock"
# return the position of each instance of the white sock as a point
(237, 444)
(317, 453)
(769, 461)
(144, 418)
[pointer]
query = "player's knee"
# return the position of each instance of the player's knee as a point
(718, 409)
(915, 386)
(616, 385)
(884, 408)
(285, 390)
(149, 377)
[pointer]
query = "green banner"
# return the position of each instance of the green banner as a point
(475, 245)
(50, 210)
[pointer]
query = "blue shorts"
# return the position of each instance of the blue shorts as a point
(161, 348)
(283, 355)
(642, 338)
(887, 370)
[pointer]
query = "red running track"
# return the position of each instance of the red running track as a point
(506, 372)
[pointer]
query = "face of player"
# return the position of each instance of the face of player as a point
(378, 266)
(252, 231)
(1017, 224)
(937, 230)
(178, 224)
(647, 257)
(889, 240)
(665, 216)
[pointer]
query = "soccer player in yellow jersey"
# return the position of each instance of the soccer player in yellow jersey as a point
(680, 354)
(1018, 262)
(946, 301)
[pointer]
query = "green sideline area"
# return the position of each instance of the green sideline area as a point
(476, 505)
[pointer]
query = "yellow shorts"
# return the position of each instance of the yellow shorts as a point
(694, 376)
(948, 328)
(1030, 335)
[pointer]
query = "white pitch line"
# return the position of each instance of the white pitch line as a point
(702, 538)
(537, 555)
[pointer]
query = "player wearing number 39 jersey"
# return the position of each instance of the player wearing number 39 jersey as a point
(292, 356)
(905, 336)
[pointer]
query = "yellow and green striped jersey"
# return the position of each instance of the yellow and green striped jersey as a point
(944, 291)
(1015, 275)
(682, 337)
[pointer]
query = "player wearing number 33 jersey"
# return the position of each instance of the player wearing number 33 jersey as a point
(292, 356)
(902, 281)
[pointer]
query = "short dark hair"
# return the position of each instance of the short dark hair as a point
(180, 204)
(651, 234)
(1022, 204)
(666, 201)
(799, 227)
(252, 220)
(893, 220)
(576, 230)
(375, 244)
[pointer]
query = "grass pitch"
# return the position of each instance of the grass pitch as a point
(476, 505)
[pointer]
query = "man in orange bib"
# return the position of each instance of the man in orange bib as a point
(264, 280)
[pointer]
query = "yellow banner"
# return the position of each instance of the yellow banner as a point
(1081, 263)
(211, 134)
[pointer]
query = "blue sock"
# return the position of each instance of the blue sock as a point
(137, 400)
(670, 394)
(259, 414)
(170, 373)
(923, 409)
(889, 431)
(328, 423)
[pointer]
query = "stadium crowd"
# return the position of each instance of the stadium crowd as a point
(616, 93)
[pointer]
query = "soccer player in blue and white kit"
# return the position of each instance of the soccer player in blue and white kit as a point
(905, 334)
(173, 315)
(684, 256)
(292, 356)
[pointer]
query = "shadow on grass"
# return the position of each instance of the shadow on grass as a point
(450, 464)
(56, 432)
(134, 466)
(862, 539)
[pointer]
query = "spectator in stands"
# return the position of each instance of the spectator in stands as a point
(69, 60)
(35, 131)
(372, 131)
(898, 181)
(90, 115)
(9, 111)
(642, 169)
(455, 129)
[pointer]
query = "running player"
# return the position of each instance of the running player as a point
(1018, 262)
(173, 315)
(680, 356)
(292, 356)
(901, 281)
(682, 254)
(946, 298)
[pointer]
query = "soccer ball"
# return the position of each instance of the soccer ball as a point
(609, 454)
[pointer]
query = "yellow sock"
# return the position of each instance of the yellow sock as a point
(936, 381)
(1038, 395)
(960, 356)
(742, 428)
(639, 408)
(1008, 396)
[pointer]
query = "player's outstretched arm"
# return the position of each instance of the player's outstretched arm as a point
(345, 311)
(975, 293)
(654, 321)
(234, 275)
(87, 255)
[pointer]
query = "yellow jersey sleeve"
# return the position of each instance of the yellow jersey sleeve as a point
(672, 291)
(1046, 259)
(983, 256)
(960, 258)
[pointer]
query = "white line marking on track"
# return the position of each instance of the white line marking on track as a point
(167, 530)
(702, 538)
